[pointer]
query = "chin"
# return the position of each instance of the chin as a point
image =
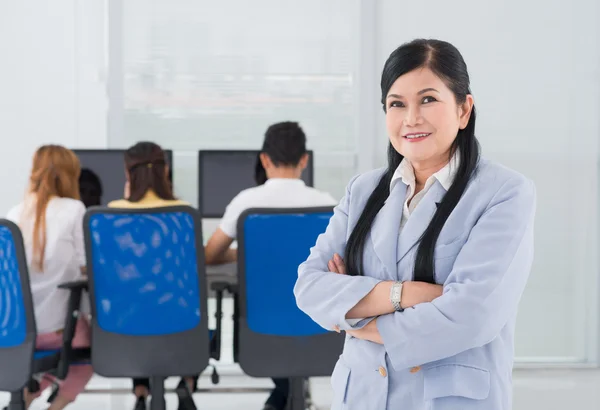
(415, 156)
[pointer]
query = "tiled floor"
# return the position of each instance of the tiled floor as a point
(539, 389)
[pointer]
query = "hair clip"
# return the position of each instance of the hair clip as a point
(149, 165)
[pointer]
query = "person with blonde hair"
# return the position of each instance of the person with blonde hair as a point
(51, 220)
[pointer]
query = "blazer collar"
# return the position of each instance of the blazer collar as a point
(384, 232)
(419, 220)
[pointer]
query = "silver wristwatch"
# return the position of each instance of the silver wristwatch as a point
(396, 296)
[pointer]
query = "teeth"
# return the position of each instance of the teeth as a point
(416, 136)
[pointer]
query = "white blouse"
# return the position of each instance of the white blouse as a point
(64, 256)
(405, 173)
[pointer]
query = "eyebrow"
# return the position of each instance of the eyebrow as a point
(423, 91)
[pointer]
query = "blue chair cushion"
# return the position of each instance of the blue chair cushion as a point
(274, 246)
(13, 327)
(145, 273)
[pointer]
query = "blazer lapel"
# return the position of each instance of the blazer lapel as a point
(419, 220)
(384, 233)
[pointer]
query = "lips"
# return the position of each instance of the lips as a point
(416, 136)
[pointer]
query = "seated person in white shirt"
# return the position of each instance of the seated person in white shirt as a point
(283, 158)
(51, 220)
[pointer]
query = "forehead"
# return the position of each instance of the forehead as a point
(414, 81)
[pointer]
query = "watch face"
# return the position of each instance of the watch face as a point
(396, 293)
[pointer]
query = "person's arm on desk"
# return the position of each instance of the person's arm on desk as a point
(218, 249)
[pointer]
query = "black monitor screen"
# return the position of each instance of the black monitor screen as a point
(223, 174)
(103, 175)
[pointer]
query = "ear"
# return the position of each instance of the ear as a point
(464, 111)
(265, 161)
(302, 164)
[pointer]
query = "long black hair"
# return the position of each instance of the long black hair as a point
(444, 60)
(147, 167)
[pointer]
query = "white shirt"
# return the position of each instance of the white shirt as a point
(64, 256)
(406, 173)
(275, 193)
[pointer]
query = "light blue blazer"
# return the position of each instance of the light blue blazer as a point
(463, 340)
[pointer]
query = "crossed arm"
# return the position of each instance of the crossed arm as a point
(377, 302)
(480, 295)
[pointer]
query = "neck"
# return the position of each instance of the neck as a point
(424, 170)
(284, 173)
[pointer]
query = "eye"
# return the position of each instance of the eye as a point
(428, 99)
(396, 104)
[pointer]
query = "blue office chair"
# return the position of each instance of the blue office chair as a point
(275, 338)
(18, 357)
(17, 319)
(148, 292)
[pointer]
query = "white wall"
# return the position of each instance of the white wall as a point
(535, 69)
(535, 76)
(51, 85)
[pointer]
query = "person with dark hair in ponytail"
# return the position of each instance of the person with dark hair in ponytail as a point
(148, 186)
(423, 263)
(147, 176)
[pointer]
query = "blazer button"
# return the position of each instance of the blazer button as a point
(415, 369)
(382, 371)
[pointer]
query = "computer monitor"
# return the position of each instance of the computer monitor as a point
(103, 174)
(223, 174)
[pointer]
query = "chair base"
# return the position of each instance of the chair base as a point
(297, 396)
(157, 393)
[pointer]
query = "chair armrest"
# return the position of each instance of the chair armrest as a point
(67, 356)
(76, 284)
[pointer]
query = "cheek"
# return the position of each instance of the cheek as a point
(445, 122)
(393, 123)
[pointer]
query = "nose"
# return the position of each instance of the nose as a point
(413, 116)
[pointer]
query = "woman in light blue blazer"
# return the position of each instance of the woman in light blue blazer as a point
(437, 251)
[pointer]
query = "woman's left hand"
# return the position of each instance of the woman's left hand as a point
(369, 332)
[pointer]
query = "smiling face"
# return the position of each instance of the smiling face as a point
(423, 117)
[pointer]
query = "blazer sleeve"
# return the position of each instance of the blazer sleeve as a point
(324, 296)
(482, 291)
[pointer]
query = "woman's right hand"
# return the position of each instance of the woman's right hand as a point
(337, 265)
(414, 293)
